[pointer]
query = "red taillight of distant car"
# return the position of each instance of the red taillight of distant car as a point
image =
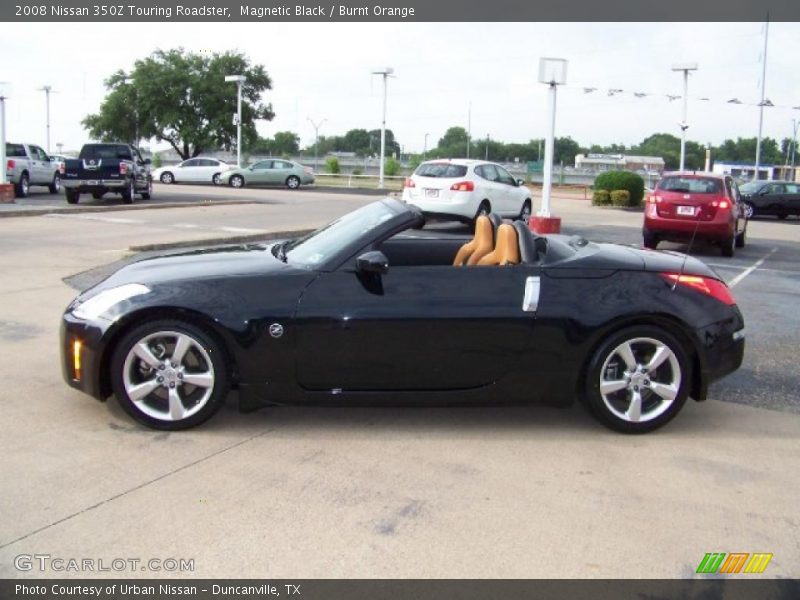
(10, 164)
(409, 183)
(654, 199)
(123, 168)
(463, 186)
(721, 204)
(62, 167)
(706, 285)
(308, 170)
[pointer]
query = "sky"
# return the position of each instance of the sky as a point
(322, 71)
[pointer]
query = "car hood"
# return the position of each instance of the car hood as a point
(201, 264)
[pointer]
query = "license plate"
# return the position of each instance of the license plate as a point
(91, 182)
(686, 210)
(431, 193)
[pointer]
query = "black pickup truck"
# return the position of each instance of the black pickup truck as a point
(103, 168)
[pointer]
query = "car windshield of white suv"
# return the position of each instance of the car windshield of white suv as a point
(441, 170)
(750, 188)
(691, 185)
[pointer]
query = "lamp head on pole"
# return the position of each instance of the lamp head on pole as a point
(553, 71)
(685, 66)
(235, 78)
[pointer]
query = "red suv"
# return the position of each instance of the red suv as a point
(705, 205)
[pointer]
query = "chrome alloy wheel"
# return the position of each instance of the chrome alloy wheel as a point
(168, 375)
(640, 379)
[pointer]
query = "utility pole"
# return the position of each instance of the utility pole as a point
(385, 73)
(239, 80)
(469, 126)
(425, 147)
(316, 127)
(3, 96)
(684, 125)
(47, 89)
(763, 98)
(793, 145)
(487, 147)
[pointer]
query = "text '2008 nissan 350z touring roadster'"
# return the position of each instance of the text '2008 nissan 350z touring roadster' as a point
(369, 309)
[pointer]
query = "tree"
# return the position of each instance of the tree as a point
(453, 144)
(332, 165)
(181, 98)
(391, 167)
(564, 150)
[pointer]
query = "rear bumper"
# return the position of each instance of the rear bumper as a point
(464, 205)
(721, 227)
(90, 185)
(722, 348)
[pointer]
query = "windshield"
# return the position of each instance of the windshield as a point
(441, 170)
(691, 185)
(324, 243)
(750, 188)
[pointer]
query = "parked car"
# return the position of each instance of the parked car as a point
(368, 310)
(27, 165)
(194, 170)
(779, 198)
(691, 205)
(103, 168)
(465, 189)
(58, 159)
(269, 172)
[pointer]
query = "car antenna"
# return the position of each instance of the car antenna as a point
(688, 250)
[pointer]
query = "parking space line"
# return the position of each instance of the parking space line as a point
(751, 268)
(239, 230)
(119, 220)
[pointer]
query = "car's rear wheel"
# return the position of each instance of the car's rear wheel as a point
(728, 246)
(129, 191)
(237, 181)
(216, 179)
(55, 185)
(72, 196)
(293, 182)
(23, 186)
(638, 379)
(169, 374)
(741, 238)
(525, 211)
(148, 192)
(167, 177)
(97, 195)
(650, 240)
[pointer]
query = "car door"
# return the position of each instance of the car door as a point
(260, 172)
(206, 169)
(40, 166)
(509, 206)
(413, 328)
(792, 198)
(187, 171)
(489, 186)
(282, 171)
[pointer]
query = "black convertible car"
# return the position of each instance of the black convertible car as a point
(370, 310)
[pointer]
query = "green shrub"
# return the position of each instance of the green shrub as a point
(391, 167)
(622, 180)
(156, 162)
(620, 198)
(357, 172)
(601, 198)
(332, 165)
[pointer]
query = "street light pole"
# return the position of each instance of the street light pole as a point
(385, 73)
(683, 124)
(239, 80)
(2, 135)
(47, 89)
(316, 139)
(763, 98)
(425, 147)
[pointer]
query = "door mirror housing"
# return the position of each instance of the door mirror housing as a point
(147, 161)
(373, 262)
(520, 182)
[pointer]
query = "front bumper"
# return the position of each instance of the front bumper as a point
(92, 344)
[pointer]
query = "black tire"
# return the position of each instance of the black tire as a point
(216, 179)
(649, 240)
(55, 185)
(293, 182)
(148, 192)
(749, 210)
(606, 361)
(23, 186)
(72, 196)
(129, 191)
(236, 181)
(98, 195)
(205, 350)
(728, 246)
(167, 177)
(525, 211)
(741, 239)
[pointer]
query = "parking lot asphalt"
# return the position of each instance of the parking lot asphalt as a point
(389, 492)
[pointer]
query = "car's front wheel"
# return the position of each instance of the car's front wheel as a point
(638, 379)
(525, 212)
(237, 181)
(749, 210)
(293, 182)
(169, 374)
(167, 177)
(55, 185)
(148, 191)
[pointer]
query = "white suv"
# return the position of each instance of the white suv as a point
(464, 189)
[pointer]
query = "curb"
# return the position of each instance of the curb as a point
(33, 212)
(220, 241)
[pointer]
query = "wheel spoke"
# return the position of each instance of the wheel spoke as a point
(142, 350)
(634, 412)
(139, 391)
(666, 391)
(626, 353)
(176, 408)
(205, 380)
(182, 345)
(609, 387)
(661, 354)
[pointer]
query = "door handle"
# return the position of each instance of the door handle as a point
(530, 301)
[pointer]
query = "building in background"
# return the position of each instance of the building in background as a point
(744, 171)
(597, 163)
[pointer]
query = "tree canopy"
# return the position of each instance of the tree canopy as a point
(182, 98)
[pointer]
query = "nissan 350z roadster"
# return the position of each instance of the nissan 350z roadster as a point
(370, 309)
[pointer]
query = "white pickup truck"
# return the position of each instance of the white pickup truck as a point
(27, 165)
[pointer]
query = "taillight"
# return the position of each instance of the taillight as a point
(706, 285)
(123, 168)
(721, 204)
(463, 186)
(654, 199)
(308, 170)
(11, 164)
(409, 183)
(62, 168)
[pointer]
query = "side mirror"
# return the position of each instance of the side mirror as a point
(147, 161)
(520, 182)
(373, 262)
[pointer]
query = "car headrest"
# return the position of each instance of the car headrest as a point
(528, 248)
(496, 220)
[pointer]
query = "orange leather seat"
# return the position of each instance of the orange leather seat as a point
(480, 245)
(506, 250)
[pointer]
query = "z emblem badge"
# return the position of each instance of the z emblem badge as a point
(276, 330)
